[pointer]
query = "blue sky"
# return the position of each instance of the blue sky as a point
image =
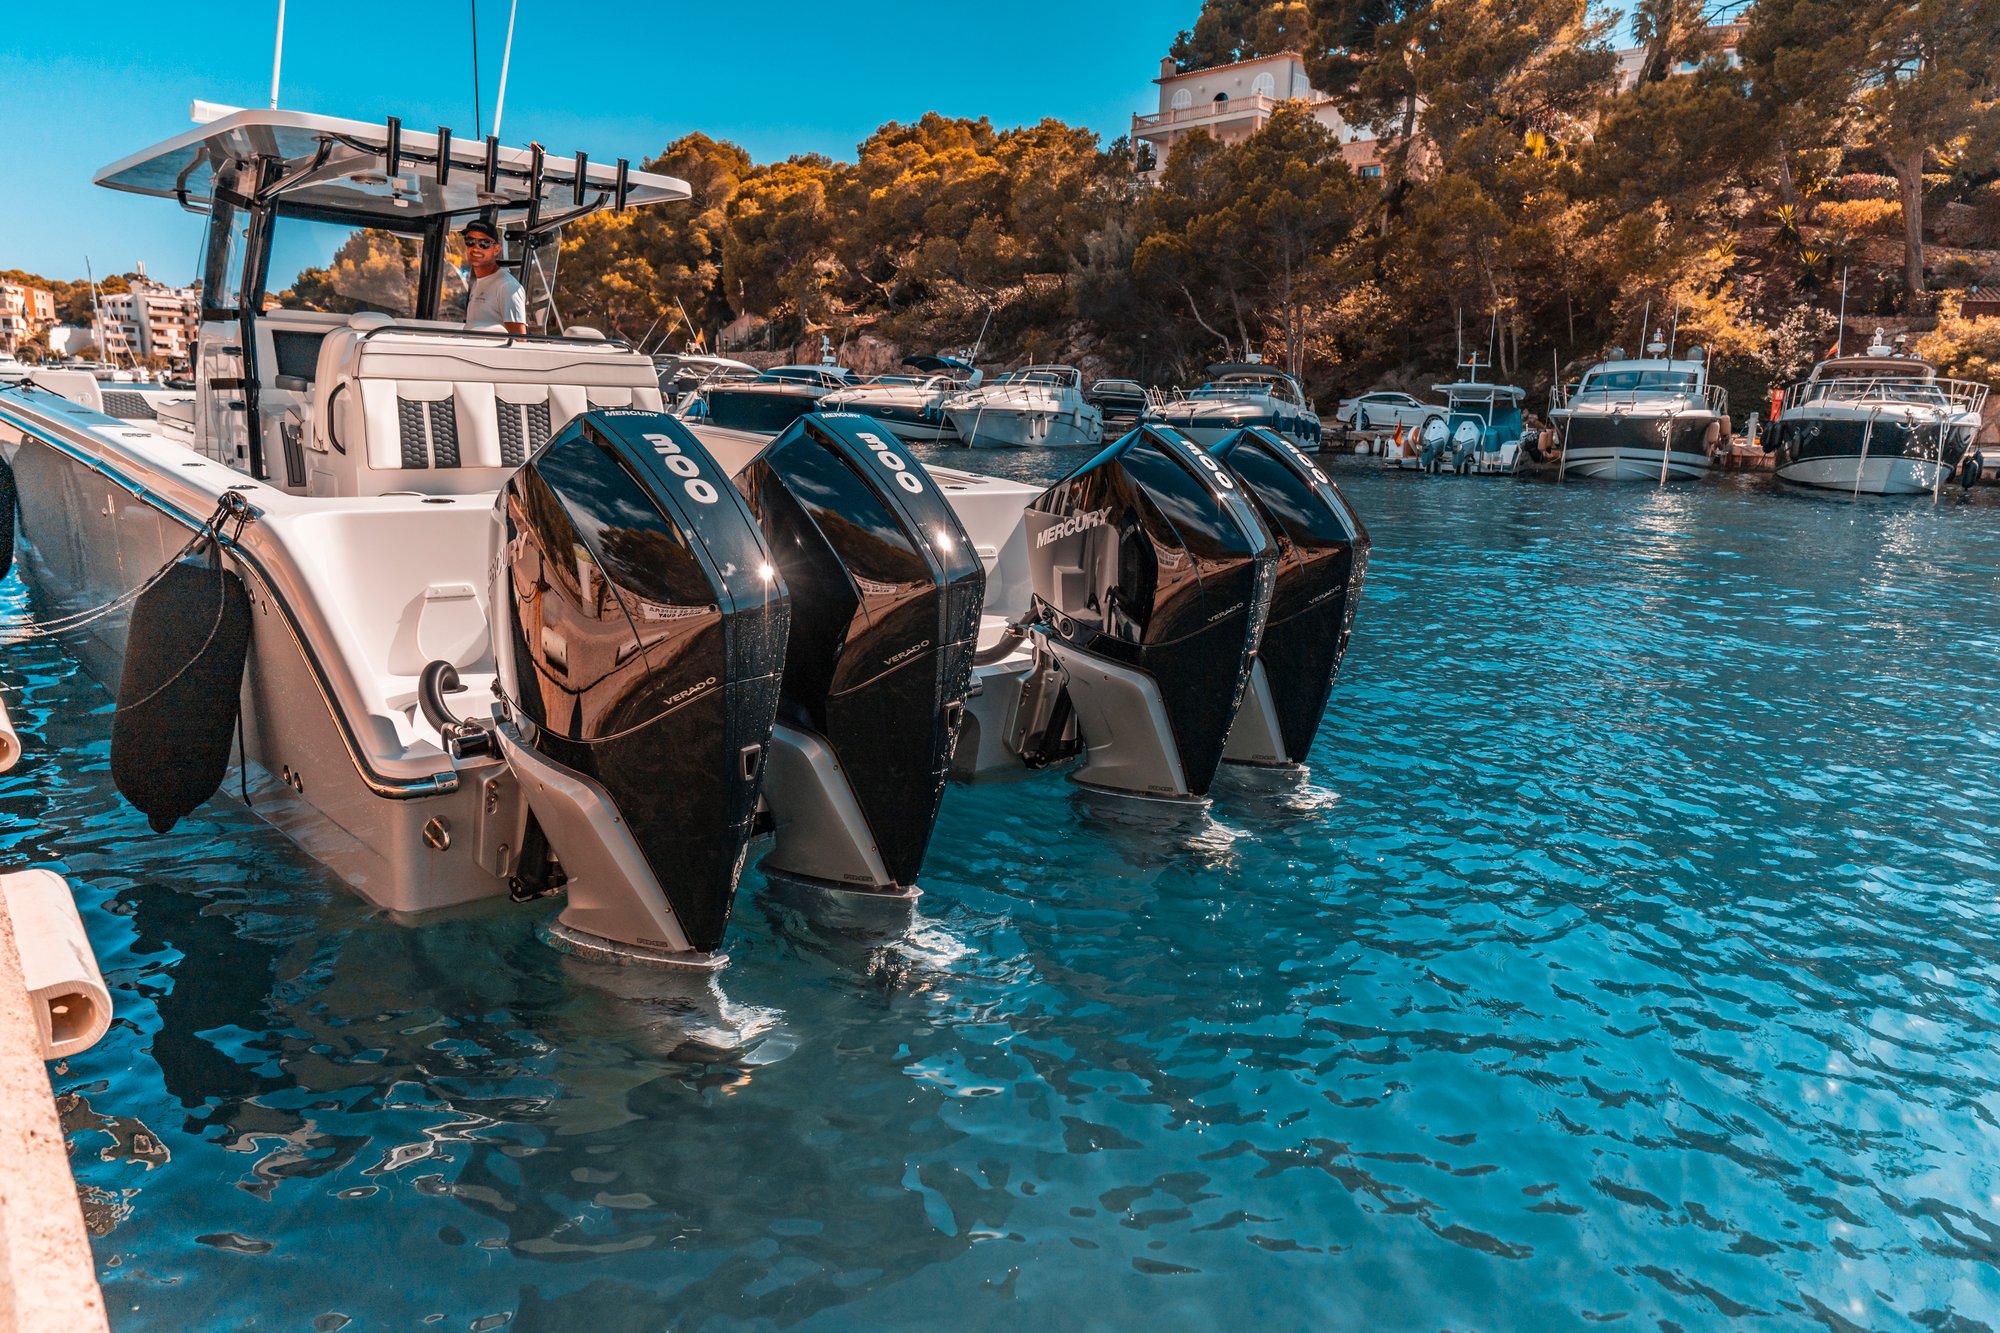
(81, 87)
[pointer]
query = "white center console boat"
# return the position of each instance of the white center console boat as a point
(473, 617)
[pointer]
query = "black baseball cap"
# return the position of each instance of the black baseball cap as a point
(480, 226)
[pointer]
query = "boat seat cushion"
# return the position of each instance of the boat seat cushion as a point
(413, 410)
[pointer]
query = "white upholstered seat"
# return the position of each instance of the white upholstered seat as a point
(433, 410)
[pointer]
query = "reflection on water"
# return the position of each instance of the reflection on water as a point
(1627, 953)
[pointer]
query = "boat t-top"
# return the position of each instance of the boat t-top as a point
(1034, 407)
(1882, 423)
(1239, 394)
(473, 617)
(910, 405)
(1652, 418)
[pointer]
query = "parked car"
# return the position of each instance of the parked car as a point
(1121, 401)
(1385, 411)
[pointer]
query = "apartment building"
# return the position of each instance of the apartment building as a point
(24, 312)
(1233, 102)
(152, 319)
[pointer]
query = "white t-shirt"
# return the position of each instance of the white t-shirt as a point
(494, 302)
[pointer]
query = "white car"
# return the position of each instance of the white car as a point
(1385, 411)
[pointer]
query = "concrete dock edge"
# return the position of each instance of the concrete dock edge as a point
(48, 1279)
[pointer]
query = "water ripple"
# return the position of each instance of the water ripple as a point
(1627, 954)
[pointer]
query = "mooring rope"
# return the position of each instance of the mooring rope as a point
(231, 506)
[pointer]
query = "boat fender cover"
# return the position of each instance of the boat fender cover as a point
(1151, 555)
(1322, 561)
(888, 591)
(179, 690)
(646, 629)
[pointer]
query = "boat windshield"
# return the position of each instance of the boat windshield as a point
(898, 379)
(1883, 388)
(1640, 381)
(1243, 386)
(344, 270)
(1039, 375)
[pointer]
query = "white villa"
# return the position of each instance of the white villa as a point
(1232, 102)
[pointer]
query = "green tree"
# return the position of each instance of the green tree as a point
(638, 270)
(1907, 79)
(1254, 237)
(780, 254)
(1227, 31)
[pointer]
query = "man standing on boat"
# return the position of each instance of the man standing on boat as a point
(496, 301)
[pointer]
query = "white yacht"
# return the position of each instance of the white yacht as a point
(470, 616)
(1036, 406)
(912, 406)
(684, 375)
(1882, 424)
(1239, 394)
(1654, 418)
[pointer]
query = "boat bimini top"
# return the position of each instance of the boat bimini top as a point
(257, 157)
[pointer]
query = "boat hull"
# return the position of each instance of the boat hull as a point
(1871, 457)
(1012, 428)
(763, 410)
(1635, 447)
(88, 534)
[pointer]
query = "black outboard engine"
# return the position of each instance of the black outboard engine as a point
(1152, 576)
(887, 595)
(639, 626)
(1322, 559)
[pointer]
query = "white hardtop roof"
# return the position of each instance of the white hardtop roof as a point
(1835, 367)
(1650, 363)
(352, 174)
(1473, 389)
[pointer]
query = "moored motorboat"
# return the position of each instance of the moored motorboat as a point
(1479, 434)
(1654, 418)
(497, 625)
(1240, 394)
(1879, 424)
(1034, 407)
(773, 400)
(910, 405)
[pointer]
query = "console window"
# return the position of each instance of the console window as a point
(343, 269)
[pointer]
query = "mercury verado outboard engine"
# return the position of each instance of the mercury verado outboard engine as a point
(1322, 558)
(639, 625)
(887, 592)
(1152, 576)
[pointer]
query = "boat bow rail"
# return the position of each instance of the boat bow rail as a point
(286, 563)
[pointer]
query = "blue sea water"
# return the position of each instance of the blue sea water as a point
(1629, 953)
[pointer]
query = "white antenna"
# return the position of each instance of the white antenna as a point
(1840, 338)
(500, 102)
(1644, 321)
(278, 55)
(1674, 336)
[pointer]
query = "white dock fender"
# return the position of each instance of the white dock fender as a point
(66, 992)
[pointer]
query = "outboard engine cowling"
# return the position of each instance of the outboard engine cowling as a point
(887, 593)
(639, 627)
(1322, 559)
(1152, 575)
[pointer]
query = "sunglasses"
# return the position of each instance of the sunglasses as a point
(481, 243)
